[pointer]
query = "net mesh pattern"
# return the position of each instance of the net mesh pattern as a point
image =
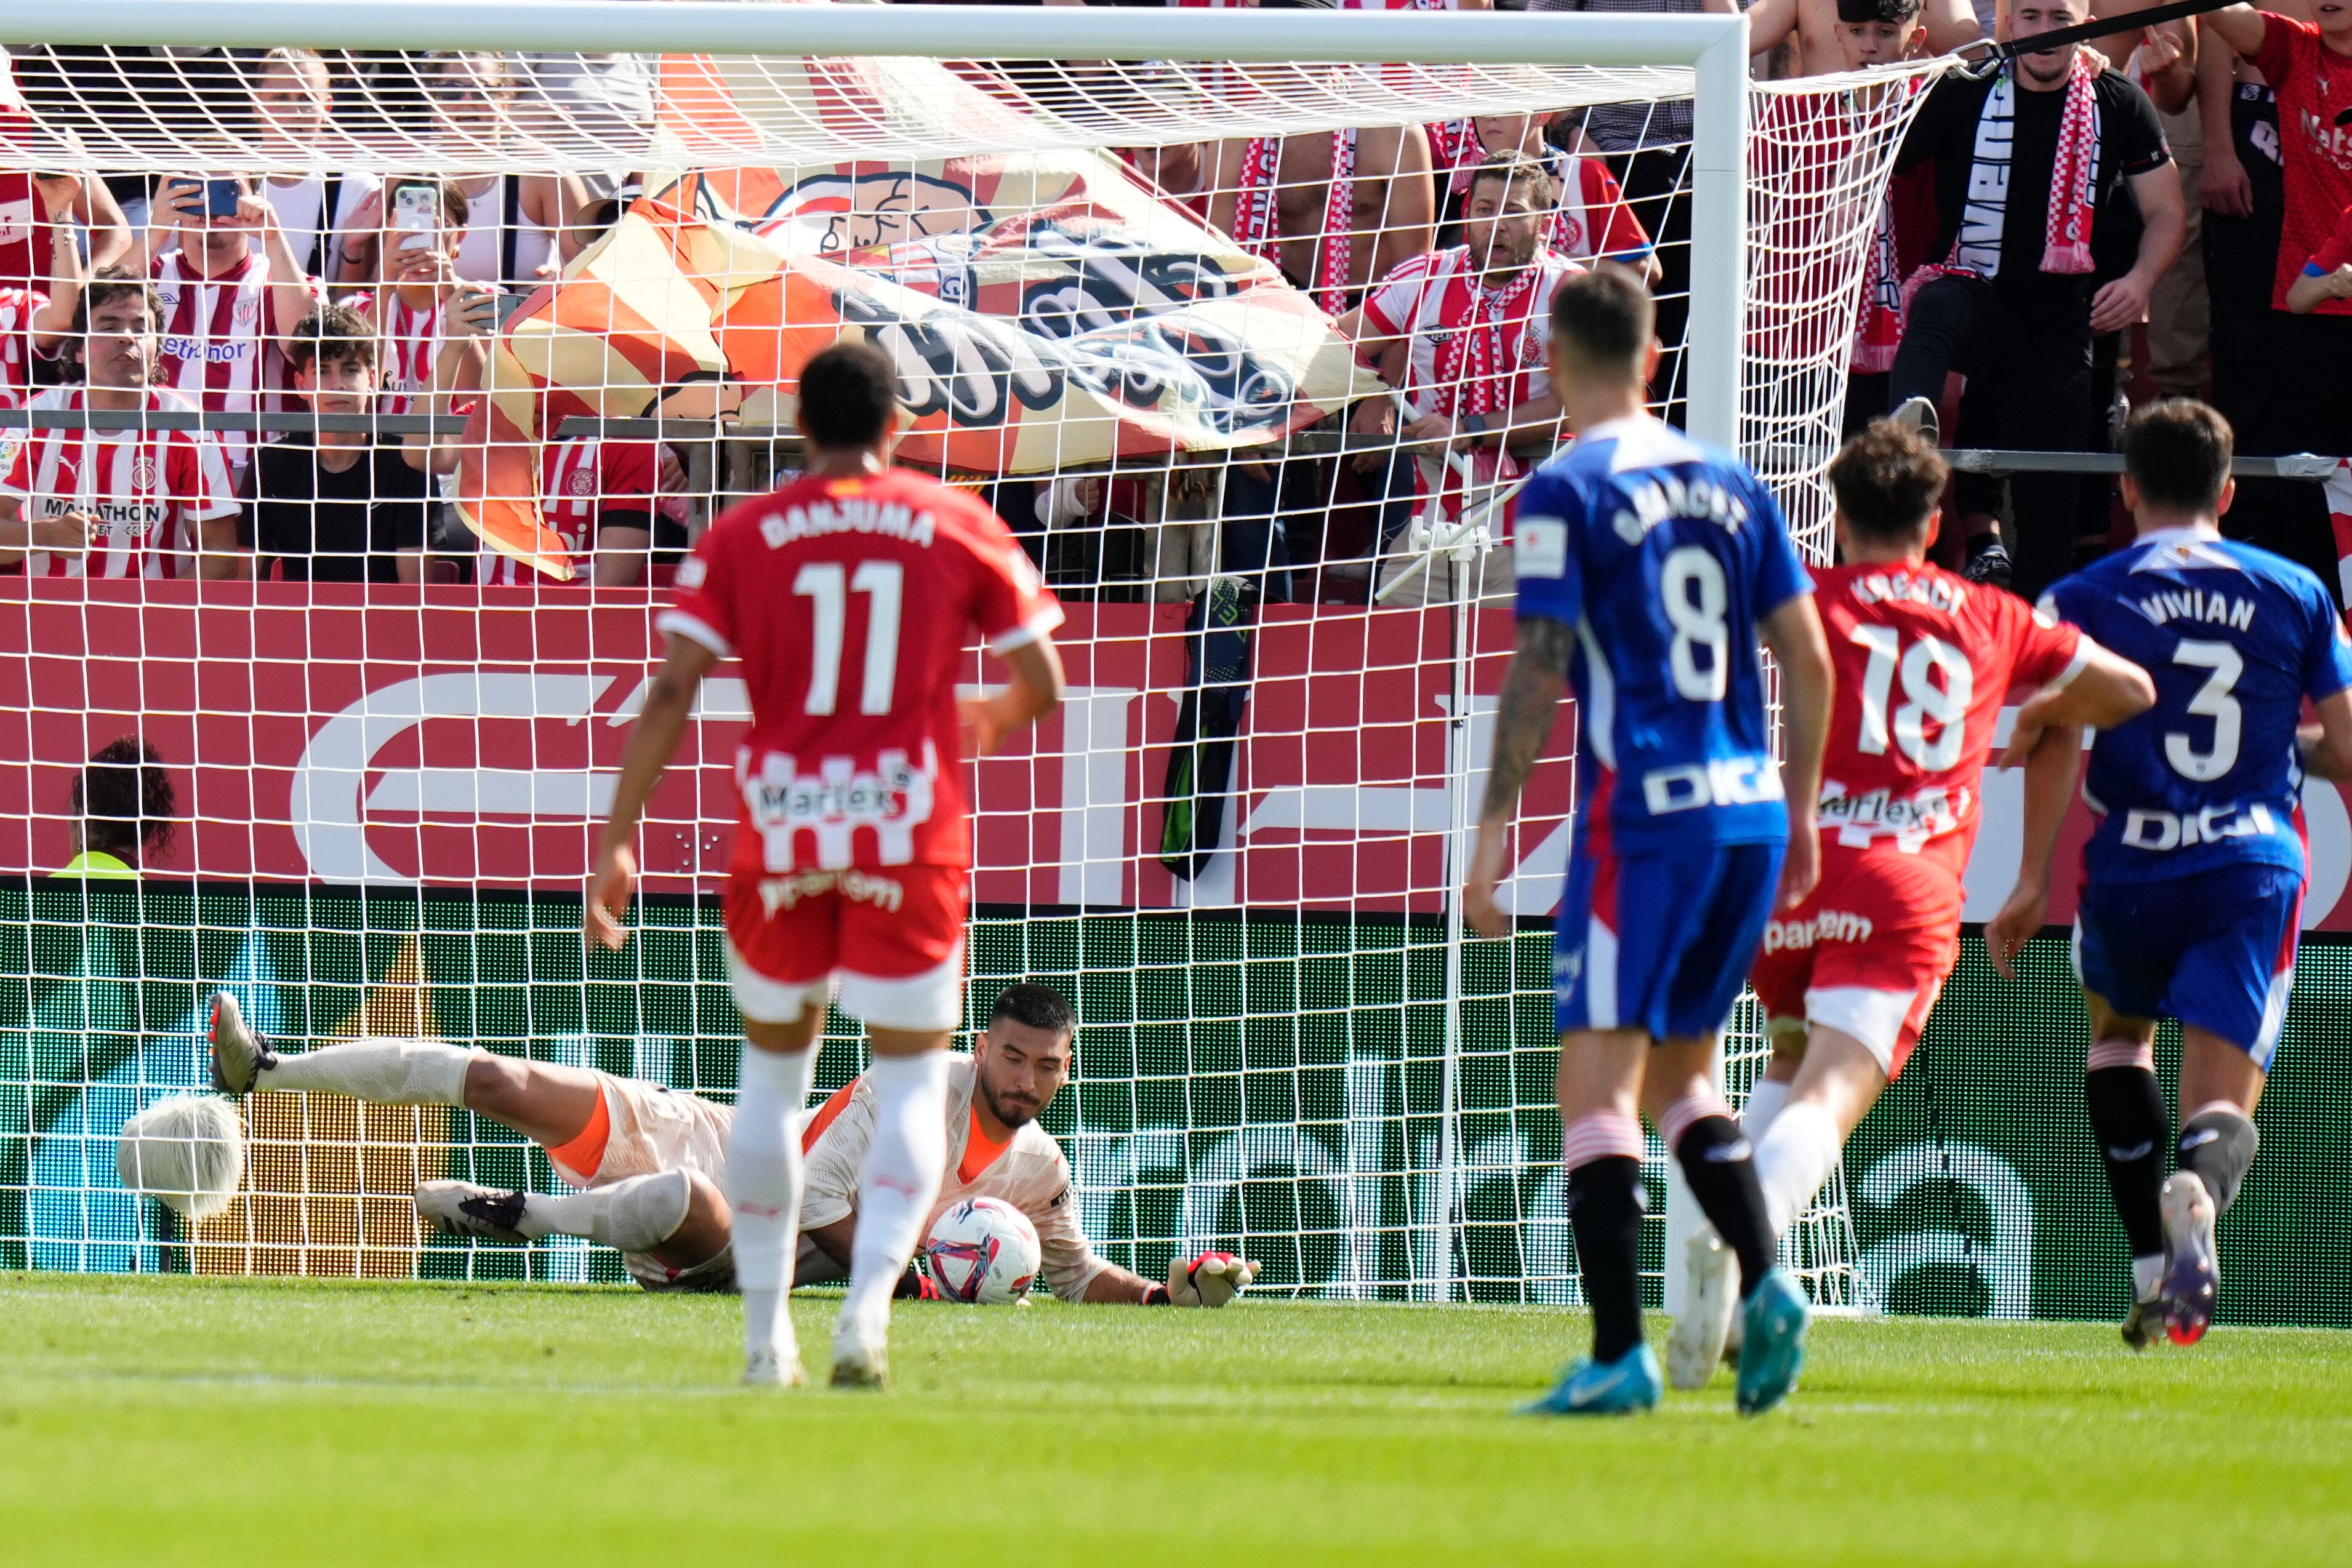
(1236, 845)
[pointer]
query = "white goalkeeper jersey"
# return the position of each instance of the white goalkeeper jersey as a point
(1029, 1172)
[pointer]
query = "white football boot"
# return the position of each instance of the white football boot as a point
(462, 1208)
(774, 1367)
(1710, 1296)
(239, 1055)
(858, 1364)
(2192, 1272)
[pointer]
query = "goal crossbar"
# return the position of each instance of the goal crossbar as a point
(1714, 48)
(950, 31)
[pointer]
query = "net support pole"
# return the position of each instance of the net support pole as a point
(1718, 263)
(1462, 612)
(1719, 252)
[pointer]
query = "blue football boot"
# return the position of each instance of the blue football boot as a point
(1626, 1386)
(1772, 1347)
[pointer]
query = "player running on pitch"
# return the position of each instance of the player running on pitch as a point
(2193, 878)
(1647, 564)
(1923, 659)
(650, 1161)
(850, 595)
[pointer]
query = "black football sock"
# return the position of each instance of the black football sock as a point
(1720, 1164)
(2219, 1143)
(1604, 1210)
(2128, 1120)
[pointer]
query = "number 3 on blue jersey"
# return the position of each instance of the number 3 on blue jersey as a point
(2236, 639)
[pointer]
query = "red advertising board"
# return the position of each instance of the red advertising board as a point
(468, 737)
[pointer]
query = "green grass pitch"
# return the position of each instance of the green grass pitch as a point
(175, 1420)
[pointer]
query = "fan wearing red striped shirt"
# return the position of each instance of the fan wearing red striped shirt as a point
(34, 321)
(1462, 333)
(430, 324)
(1332, 211)
(1589, 217)
(232, 293)
(130, 502)
(600, 496)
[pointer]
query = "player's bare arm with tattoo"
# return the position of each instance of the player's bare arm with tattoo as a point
(1531, 693)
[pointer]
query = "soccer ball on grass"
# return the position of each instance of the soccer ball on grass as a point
(983, 1251)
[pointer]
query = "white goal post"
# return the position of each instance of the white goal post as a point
(1412, 1135)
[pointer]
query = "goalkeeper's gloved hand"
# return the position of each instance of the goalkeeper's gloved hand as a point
(914, 1285)
(1209, 1281)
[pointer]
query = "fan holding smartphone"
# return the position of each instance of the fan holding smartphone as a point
(232, 292)
(424, 312)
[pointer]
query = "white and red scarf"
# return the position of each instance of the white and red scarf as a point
(2066, 228)
(1257, 223)
(1878, 329)
(1475, 366)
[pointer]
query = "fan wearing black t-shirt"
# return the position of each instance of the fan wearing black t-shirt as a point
(338, 506)
(1997, 310)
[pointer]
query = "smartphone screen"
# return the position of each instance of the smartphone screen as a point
(511, 303)
(416, 214)
(221, 197)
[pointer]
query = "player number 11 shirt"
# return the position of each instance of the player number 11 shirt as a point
(850, 603)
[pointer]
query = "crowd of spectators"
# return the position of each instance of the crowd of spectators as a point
(2165, 211)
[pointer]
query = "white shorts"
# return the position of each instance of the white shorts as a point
(650, 1129)
(924, 1002)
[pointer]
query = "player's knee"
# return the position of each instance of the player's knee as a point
(496, 1086)
(701, 1231)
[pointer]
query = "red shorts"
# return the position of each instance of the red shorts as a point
(1867, 953)
(889, 944)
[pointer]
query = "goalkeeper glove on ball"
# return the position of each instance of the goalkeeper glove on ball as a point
(1209, 1281)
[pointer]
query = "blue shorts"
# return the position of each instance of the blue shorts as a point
(2214, 949)
(1659, 942)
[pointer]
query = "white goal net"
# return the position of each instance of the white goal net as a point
(479, 342)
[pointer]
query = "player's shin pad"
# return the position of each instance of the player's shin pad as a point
(2128, 1120)
(1718, 1162)
(381, 1068)
(634, 1216)
(2218, 1142)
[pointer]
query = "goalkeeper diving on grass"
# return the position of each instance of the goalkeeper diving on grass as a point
(649, 1160)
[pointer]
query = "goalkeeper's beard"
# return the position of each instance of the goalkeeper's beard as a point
(1012, 1118)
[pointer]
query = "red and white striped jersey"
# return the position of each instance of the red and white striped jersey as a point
(147, 490)
(25, 249)
(1474, 349)
(220, 341)
(850, 603)
(408, 338)
(585, 485)
(1592, 219)
(18, 308)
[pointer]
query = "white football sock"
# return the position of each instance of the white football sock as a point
(763, 1190)
(2147, 1273)
(896, 1185)
(1794, 1159)
(1764, 1103)
(381, 1069)
(635, 1216)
